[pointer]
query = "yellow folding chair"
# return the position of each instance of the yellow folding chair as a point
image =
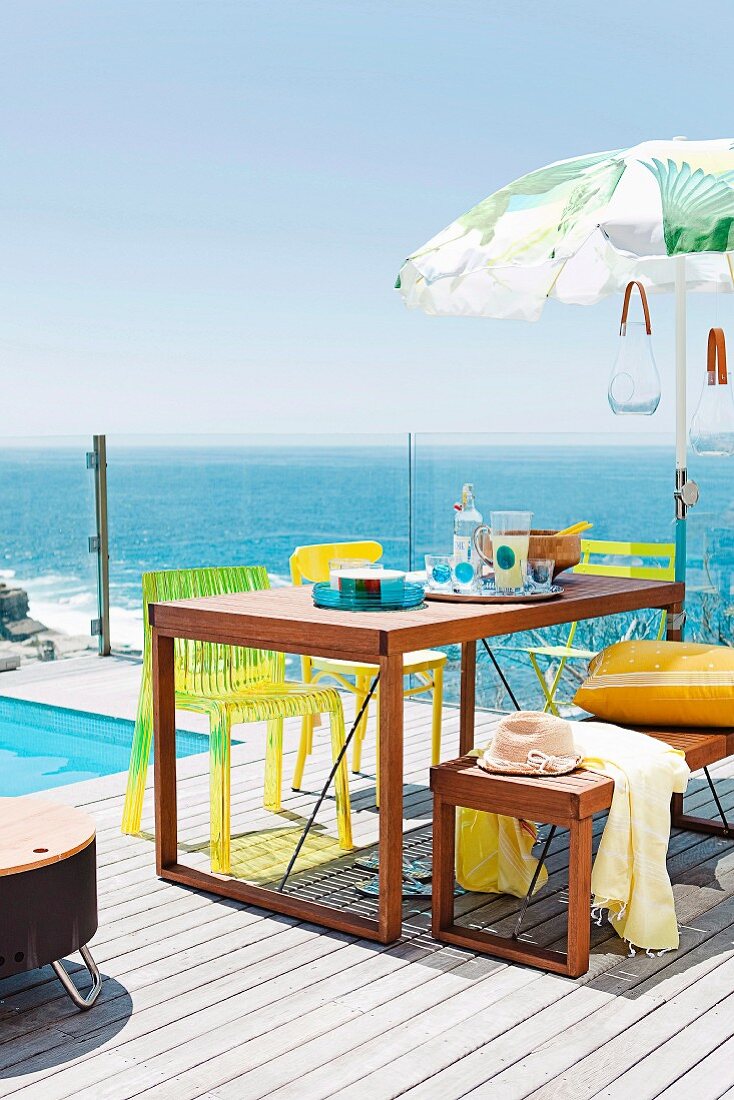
(641, 560)
(310, 564)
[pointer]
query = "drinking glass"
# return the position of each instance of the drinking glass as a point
(337, 564)
(438, 572)
(463, 574)
(510, 541)
(540, 573)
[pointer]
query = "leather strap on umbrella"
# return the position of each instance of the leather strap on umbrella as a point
(626, 307)
(716, 353)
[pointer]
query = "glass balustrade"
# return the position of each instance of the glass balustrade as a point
(48, 579)
(186, 501)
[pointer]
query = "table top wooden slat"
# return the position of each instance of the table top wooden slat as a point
(287, 618)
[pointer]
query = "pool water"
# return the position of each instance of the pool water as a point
(43, 746)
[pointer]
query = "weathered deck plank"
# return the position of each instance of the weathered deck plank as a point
(205, 998)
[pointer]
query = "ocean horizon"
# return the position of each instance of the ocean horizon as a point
(213, 504)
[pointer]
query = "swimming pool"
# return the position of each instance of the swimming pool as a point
(43, 746)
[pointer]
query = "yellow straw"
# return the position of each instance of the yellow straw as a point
(576, 528)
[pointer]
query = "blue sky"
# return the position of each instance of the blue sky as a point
(204, 205)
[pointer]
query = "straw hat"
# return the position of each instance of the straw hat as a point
(531, 743)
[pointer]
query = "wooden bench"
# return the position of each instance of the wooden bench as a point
(569, 801)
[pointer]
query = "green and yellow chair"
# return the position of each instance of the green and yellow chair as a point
(644, 561)
(310, 564)
(229, 684)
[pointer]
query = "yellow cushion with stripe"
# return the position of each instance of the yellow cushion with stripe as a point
(658, 683)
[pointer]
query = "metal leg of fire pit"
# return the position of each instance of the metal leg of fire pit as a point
(81, 1002)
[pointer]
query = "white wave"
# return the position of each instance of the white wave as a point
(277, 580)
(78, 599)
(7, 574)
(61, 616)
(126, 627)
(48, 580)
(71, 609)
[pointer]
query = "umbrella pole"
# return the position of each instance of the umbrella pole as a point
(680, 418)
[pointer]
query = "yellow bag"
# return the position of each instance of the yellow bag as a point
(494, 853)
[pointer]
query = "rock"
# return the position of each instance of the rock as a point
(46, 650)
(13, 604)
(21, 630)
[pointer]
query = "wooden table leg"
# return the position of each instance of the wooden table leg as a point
(673, 633)
(391, 798)
(164, 752)
(468, 689)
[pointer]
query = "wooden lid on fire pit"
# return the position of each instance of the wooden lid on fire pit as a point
(35, 833)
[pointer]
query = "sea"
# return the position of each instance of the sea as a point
(215, 503)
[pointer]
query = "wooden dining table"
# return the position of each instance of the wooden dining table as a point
(286, 619)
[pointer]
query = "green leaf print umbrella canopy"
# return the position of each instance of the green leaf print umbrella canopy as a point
(661, 212)
(580, 229)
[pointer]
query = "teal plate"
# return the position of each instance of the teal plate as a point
(326, 596)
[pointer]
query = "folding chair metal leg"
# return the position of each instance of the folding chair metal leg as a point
(549, 702)
(557, 680)
(533, 882)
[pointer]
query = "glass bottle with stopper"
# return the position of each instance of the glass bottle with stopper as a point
(466, 520)
(634, 385)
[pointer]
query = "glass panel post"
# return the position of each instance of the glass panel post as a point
(99, 542)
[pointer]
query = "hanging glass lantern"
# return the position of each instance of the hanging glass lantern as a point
(634, 385)
(712, 426)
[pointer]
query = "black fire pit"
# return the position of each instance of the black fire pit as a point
(48, 890)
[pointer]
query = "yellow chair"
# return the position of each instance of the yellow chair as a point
(660, 559)
(310, 564)
(229, 684)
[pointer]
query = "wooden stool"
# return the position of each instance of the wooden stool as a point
(48, 890)
(568, 800)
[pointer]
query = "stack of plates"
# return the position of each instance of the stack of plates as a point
(325, 596)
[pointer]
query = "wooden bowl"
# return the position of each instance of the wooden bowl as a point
(565, 550)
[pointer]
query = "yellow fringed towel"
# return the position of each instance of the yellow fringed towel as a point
(629, 876)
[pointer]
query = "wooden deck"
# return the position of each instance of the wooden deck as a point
(206, 998)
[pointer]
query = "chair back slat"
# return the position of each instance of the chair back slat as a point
(653, 561)
(310, 564)
(648, 561)
(208, 668)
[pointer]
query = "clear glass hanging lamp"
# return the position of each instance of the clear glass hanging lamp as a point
(712, 425)
(634, 384)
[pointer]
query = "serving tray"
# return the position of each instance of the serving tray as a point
(552, 593)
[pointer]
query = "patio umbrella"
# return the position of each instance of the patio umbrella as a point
(661, 212)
